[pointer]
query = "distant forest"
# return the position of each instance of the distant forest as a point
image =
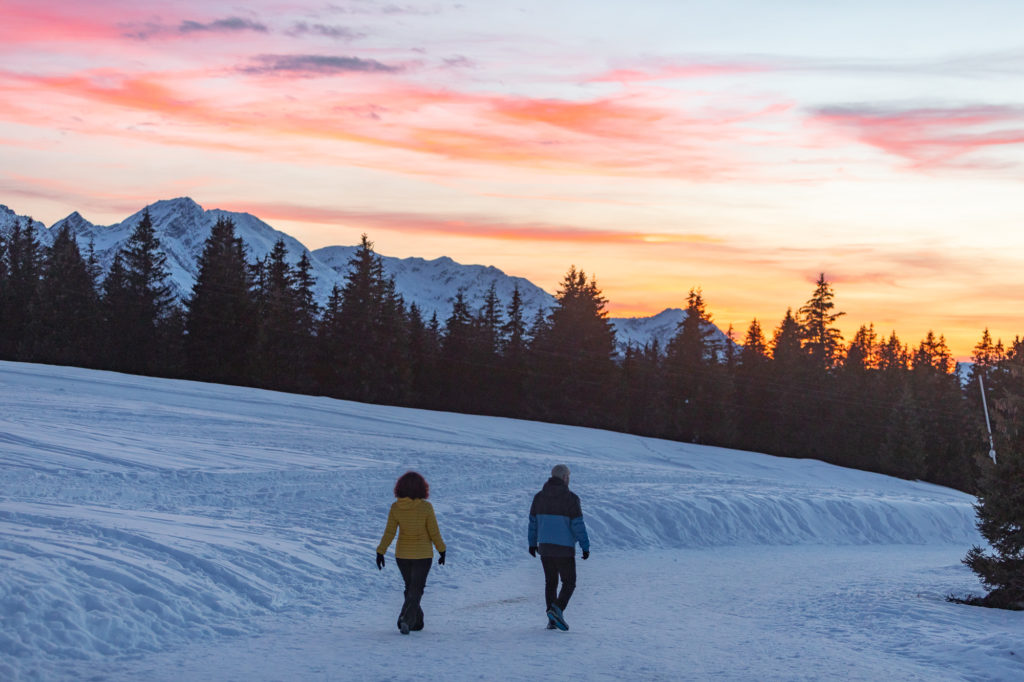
(798, 390)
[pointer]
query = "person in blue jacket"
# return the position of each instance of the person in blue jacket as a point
(556, 525)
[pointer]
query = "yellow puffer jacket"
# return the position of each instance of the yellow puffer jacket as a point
(417, 529)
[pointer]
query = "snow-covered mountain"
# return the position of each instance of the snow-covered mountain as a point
(433, 284)
(8, 217)
(182, 226)
(641, 331)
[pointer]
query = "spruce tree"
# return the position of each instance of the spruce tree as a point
(512, 380)
(461, 378)
(938, 402)
(366, 336)
(754, 391)
(424, 352)
(21, 284)
(1000, 506)
(790, 375)
(221, 316)
(138, 318)
(329, 347)
(695, 380)
(63, 328)
(821, 338)
(284, 339)
(575, 354)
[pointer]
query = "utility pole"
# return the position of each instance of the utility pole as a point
(988, 424)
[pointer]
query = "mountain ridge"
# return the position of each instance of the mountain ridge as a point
(182, 226)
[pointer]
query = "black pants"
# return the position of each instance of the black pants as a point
(556, 567)
(414, 572)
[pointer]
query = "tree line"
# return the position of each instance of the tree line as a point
(798, 390)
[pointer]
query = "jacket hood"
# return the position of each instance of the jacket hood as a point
(407, 502)
(554, 482)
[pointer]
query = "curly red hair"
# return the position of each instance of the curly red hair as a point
(412, 485)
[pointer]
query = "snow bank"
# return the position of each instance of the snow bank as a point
(139, 514)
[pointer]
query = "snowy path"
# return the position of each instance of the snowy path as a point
(175, 530)
(781, 613)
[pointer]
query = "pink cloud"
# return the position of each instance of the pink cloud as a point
(468, 226)
(931, 137)
(663, 71)
(604, 135)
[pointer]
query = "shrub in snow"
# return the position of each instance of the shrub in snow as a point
(1000, 512)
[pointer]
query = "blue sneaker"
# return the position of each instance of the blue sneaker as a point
(556, 617)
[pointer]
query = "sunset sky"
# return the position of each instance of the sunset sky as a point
(659, 145)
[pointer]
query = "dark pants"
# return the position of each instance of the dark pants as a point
(414, 572)
(556, 567)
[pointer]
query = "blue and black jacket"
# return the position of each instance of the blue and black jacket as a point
(556, 521)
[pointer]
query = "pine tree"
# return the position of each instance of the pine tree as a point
(424, 352)
(695, 380)
(63, 328)
(754, 391)
(280, 358)
(460, 376)
(938, 401)
(21, 284)
(221, 316)
(1000, 507)
(822, 340)
(790, 376)
(514, 350)
(329, 347)
(138, 317)
(573, 370)
(641, 411)
(485, 354)
(366, 342)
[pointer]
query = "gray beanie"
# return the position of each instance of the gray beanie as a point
(560, 471)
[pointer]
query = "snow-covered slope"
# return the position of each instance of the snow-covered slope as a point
(158, 519)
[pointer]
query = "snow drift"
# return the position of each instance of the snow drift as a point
(139, 514)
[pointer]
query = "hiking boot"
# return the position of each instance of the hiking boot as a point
(551, 626)
(556, 618)
(403, 627)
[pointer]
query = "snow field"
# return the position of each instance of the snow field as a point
(147, 521)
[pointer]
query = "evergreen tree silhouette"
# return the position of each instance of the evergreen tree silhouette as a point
(461, 377)
(821, 338)
(574, 369)
(221, 315)
(424, 352)
(697, 384)
(1000, 506)
(63, 327)
(514, 349)
(754, 391)
(282, 353)
(138, 316)
(23, 266)
(365, 341)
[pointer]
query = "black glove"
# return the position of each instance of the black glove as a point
(586, 554)
(533, 551)
(440, 559)
(380, 561)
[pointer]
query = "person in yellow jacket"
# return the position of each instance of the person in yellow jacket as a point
(413, 517)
